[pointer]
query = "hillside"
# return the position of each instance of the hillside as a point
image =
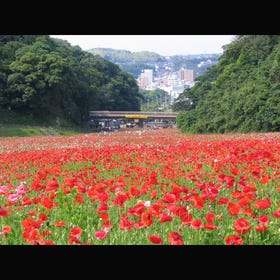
(135, 62)
(241, 93)
(51, 82)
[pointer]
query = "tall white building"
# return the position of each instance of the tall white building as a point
(149, 73)
(146, 78)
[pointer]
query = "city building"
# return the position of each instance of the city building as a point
(186, 75)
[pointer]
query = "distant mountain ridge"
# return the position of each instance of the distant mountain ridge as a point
(135, 62)
(124, 56)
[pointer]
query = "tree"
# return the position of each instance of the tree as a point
(239, 93)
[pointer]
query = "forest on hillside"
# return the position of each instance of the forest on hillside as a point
(135, 62)
(49, 80)
(241, 93)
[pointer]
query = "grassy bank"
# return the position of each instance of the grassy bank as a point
(17, 130)
(14, 124)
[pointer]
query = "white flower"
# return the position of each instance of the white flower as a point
(106, 229)
(147, 203)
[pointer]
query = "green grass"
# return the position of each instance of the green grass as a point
(15, 124)
(24, 131)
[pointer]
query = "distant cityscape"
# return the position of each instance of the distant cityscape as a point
(166, 77)
(172, 74)
(173, 83)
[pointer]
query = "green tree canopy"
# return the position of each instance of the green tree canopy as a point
(49, 79)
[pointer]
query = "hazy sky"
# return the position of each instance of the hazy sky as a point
(162, 44)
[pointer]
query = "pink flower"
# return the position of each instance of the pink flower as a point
(13, 197)
(101, 234)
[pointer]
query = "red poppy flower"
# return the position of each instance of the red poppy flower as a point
(6, 229)
(153, 194)
(104, 216)
(264, 179)
(103, 196)
(27, 223)
(107, 225)
(223, 200)
(276, 214)
(79, 199)
(198, 202)
(75, 235)
(197, 224)
(103, 208)
(186, 217)
(47, 242)
(30, 223)
(209, 217)
(137, 210)
(263, 204)
(242, 226)
(234, 240)
(169, 198)
(244, 202)
(234, 171)
(175, 238)
(262, 227)
(165, 218)
(134, 192)
(236, 194)
(139, 225)
(155, 239)
(32, 235)
(3, 212)
(248, 212)
(26, 201)
(43, 217)
(53, 185)
(125, 223)
(264, 219)
(31, 213)
(120, 199)
(233, 209)
(59, 224)
(76, 232)
(210, 226)
(147, 219)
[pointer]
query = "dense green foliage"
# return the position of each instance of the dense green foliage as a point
(49, 80)
(241, 93)
(198, 63)
(155, 100)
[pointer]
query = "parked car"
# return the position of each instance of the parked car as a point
(130, 124)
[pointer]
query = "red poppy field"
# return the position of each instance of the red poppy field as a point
(140, 188)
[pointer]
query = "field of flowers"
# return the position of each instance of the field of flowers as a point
(140, 187)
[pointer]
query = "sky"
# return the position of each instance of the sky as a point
(165, 45)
